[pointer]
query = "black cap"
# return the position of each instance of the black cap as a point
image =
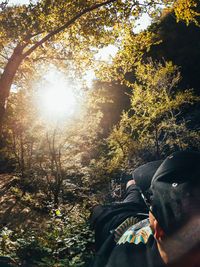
(175, 190)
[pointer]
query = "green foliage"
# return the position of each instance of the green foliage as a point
(69, 33)
(17, 191)
(179, 44)
(153, 122)
(187, 10)
(51, 157)
(132, 49)
(62, 242)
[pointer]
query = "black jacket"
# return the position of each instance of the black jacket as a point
(136, 255)
(110, 217)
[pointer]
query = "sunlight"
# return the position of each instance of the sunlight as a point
(58, 100)
(21, 2)
(56, 97)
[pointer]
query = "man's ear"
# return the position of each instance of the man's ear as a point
(159, 233)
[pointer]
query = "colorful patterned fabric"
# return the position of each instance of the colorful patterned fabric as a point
(133, 232)
(124, 226)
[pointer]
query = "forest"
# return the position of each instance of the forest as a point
(75, 123)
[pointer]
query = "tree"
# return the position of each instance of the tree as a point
(180, 44)
(20, 132)
(165, 38)
(153, 123)
(25, 28)
(51, 156)
(49, 31)
(68, 29)
(63, 156)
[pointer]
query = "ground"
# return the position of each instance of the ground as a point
(15, 213)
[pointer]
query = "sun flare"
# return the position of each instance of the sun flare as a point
(58, 100)
(56, 97)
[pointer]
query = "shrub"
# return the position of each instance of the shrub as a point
(62, 242)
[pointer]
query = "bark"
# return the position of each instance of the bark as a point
(6, 79)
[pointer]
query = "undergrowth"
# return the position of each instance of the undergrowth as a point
(63, 241)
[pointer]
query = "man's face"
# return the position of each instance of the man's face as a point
(185, 242)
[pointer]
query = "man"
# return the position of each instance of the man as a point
(171, 234)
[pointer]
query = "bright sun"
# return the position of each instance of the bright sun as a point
(56, 96)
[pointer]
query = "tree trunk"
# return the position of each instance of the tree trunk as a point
(6, 80)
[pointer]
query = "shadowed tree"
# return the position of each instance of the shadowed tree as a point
(152, 125)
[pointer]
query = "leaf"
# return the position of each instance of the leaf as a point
(58, 212)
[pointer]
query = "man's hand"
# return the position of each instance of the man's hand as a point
(130, 183)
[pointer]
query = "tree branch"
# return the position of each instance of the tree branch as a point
(4, 57)
(47, 57)
(29, 36)
(48, 36)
